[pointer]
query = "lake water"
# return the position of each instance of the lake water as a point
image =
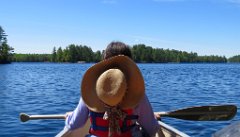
(47, 88)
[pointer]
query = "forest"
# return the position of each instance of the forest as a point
(141, 54)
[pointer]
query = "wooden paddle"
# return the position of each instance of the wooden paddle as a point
(199, 113)
(203, 113)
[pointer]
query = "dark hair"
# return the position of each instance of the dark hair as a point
(117, 48)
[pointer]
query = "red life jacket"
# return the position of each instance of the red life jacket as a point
(99, 126)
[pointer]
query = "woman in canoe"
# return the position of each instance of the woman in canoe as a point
(113, 97)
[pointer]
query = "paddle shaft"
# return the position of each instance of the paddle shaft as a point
(200, 113)
(32, 117)
(24, 117)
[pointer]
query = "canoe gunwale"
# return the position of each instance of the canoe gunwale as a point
(167, 128)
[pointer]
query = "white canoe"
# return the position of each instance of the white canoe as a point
(167, 130)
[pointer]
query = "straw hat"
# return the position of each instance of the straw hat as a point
(115, 81)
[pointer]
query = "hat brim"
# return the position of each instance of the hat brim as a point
(135, 83)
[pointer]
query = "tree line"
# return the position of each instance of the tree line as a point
(5, 49)
(234, 58)
(72, 53)
(141, 54)
(75, 53)
(31, 57)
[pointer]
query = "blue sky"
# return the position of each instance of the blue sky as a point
(208, 27)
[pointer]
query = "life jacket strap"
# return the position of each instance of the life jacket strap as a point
(124, 128)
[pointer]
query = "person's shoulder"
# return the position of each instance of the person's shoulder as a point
(143, 103)
(82, 103)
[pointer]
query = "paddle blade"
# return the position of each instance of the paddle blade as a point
(204, 113)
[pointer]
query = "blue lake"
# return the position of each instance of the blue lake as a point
(48, 88)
